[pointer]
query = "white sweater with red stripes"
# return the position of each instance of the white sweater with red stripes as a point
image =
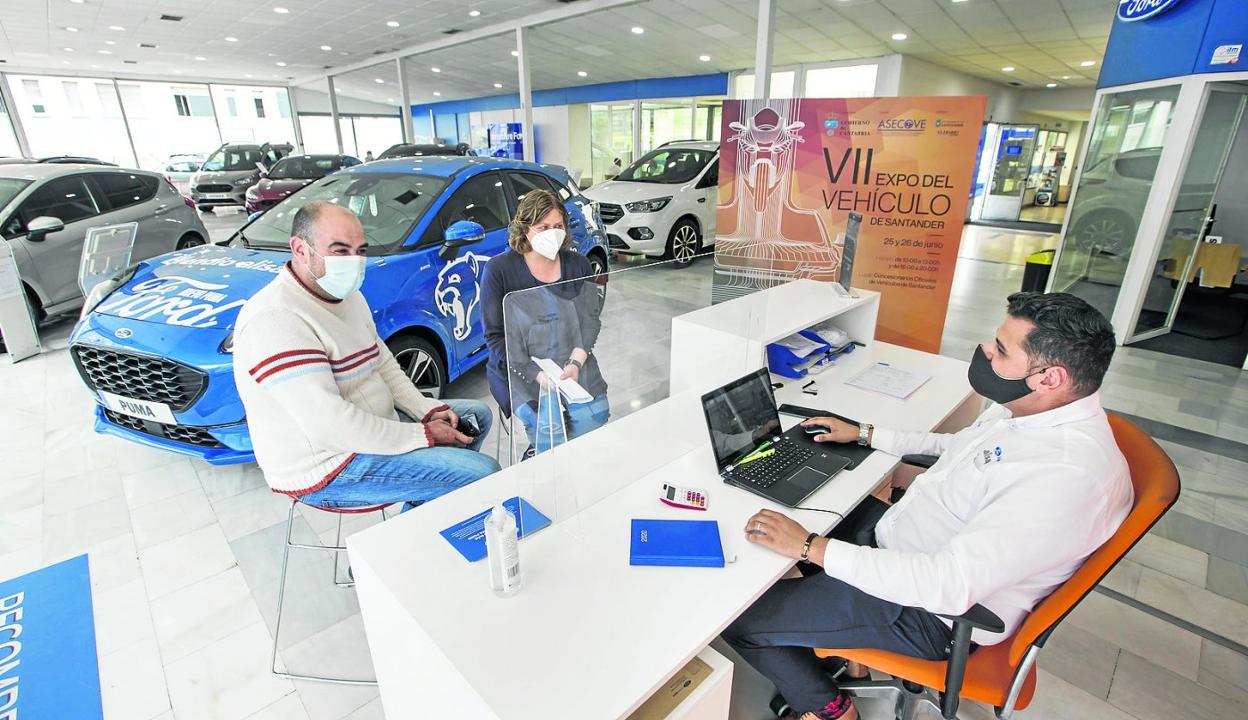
(319, 385)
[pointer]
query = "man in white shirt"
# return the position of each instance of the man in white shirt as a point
(334, 420)
(1012, 508)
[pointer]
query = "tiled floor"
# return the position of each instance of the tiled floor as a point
(184, 556)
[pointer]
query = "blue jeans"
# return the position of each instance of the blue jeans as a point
(413, 477)
(543, 425)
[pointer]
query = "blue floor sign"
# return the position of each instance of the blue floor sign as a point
(48, 668)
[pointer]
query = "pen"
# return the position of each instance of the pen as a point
(812, 382)
(757, 456)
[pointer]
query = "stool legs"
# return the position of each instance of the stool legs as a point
(337, 549)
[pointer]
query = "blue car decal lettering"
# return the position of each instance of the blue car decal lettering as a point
(195, 260)
(459, 290)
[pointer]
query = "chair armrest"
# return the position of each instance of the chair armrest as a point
(977, 618)
(923, 461)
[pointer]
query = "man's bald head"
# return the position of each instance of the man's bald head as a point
(311, 215)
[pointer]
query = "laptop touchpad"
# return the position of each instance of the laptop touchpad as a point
(807, 478)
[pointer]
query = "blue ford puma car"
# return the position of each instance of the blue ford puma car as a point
(155, 342)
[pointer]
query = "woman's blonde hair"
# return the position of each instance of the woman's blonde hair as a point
(535, 205)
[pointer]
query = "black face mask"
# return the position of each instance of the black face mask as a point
(985, 381)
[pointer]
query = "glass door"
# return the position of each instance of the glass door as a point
(1189, 221)
(611, 139)
(1011, 167)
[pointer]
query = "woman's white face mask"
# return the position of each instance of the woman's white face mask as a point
(547, 242)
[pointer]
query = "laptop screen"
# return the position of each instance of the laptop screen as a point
(741, 415)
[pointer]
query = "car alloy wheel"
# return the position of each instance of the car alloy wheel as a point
(684, 243)
(422, 366)
(1104, 233)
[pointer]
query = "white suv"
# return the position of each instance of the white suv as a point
(663, 205)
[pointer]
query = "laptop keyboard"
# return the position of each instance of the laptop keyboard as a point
(769, 470)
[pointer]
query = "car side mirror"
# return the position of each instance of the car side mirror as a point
(459, 234)
(264, 171)
(40, 227)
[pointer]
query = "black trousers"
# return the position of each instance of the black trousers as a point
(777, 633)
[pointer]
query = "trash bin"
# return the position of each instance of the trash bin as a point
(1036, 271)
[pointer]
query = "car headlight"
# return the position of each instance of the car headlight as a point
(106, 288)
(227, 345)
(244, 181)
(647, 206)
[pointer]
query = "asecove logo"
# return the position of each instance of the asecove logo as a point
(1133, 10)
(909, 125)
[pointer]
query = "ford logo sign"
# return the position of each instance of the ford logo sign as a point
(123, 333)
(1133, 10)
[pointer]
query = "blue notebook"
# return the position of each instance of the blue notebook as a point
(468, 536)
(677, 543)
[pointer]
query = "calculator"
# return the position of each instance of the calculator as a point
(686, 498)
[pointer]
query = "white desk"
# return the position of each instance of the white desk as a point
(590, 636)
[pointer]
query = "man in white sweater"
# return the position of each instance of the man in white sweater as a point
(1012, 508)
(334, 421)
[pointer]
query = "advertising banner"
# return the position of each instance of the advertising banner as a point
(794, 174)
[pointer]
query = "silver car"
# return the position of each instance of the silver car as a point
(224, 177)
(46, 210)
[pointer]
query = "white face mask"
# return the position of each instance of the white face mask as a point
(344, 274)
(547, 242)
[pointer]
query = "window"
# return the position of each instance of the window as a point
(182, 167)
(283, 105)
(132, 100)
(64, 198)
(124, 189)
(201, 105)
(73, 96)
(480, 200)
(522, 183)
(259, 107)
(231, 105)
(234, 158)
(388, 206)
(305, 167)
(184, 106)
(34, 94)
(670, 166)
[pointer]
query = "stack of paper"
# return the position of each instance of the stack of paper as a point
(888, 380)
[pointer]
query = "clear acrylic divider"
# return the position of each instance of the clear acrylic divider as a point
(105, 252)
(651, 343)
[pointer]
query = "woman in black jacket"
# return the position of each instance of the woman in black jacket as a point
(539, 300)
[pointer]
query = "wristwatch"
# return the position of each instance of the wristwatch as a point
(864, 433)
(579, 365)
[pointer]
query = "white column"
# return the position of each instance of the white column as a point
(762, 49)
(18, 131)
(333, 113)
(125, 122)
(294, 118)
(636, 130)
(405, 96)
(526, 98)
(693, 119)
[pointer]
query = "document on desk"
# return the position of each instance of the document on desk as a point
(888, 380)
(468, 536)
(570, 389)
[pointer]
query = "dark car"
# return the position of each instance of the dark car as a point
(224, 177)
(403, 150)
(290, 174)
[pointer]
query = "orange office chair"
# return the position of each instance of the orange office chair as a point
(1004, 675)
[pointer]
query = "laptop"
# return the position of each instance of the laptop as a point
(743, 421)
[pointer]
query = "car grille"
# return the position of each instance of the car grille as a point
(140, 377)
(615, 241)
(610, 212)
(214, 188)
(177, 433)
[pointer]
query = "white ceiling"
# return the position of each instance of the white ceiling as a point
(1044, 40)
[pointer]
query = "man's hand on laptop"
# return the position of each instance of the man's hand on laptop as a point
(783, 535)
(837, 430)
(444, 434)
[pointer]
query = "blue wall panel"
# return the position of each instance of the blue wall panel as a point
(1175, 43)
(686, 86)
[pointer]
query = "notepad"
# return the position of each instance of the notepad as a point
(468, 536)
(676, 543)
(569, 388)
(888, 380)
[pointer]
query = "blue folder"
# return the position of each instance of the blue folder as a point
(676, 543)
(468, 536)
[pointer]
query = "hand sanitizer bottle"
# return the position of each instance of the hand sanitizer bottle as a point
(503, 551)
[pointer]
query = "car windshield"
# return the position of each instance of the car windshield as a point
(667, 165)
(233, 159)
(388, 205)
(304, 167)
(9, 188)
